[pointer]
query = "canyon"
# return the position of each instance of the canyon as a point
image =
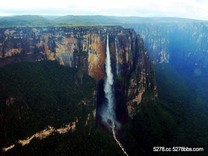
(156, 68)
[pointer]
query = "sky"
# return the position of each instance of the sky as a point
(195, 9)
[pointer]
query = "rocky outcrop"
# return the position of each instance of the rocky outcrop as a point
(84, 48)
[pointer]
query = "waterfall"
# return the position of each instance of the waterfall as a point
(108, 114)
(117, 57)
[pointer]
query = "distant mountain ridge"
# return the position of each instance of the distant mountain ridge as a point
(23, 20)
(35, 20)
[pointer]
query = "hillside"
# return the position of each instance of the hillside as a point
(35, 95)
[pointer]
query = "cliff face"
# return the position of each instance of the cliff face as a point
(180, 44)
(84, 48)
(81, 48)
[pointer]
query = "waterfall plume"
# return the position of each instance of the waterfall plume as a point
(108, 112)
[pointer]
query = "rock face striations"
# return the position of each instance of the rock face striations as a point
(84, 48)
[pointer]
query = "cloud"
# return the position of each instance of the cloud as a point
(171, 8)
